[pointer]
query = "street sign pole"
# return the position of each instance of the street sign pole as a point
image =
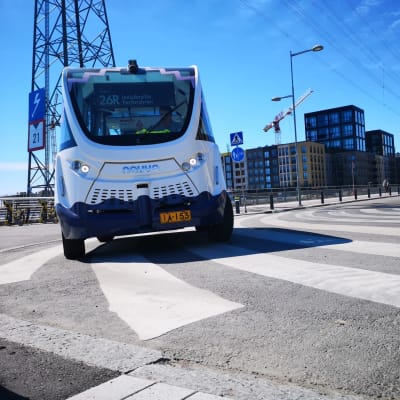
(237, 156)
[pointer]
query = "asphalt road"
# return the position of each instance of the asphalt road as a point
(300, 304)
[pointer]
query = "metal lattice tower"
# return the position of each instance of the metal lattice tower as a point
(66, 33)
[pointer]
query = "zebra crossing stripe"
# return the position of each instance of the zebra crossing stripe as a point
(327, 242)
(23, 268)
(362, 284)
(152, 301)
(376, 230)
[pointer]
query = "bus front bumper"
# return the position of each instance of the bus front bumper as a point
(114, 217)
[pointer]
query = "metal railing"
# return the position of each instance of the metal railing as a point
(283, 195)
(25, 210)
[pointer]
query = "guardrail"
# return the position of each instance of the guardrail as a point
(25, 210)
(283, 195)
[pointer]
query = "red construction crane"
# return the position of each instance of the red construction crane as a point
(279, 117)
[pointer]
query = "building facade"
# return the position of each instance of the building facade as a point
(337, 152)
(273, 167)
(350, 159)
(312, 164)
(235, 173)
(381, 144)
(340, 129)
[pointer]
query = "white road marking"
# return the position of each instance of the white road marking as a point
(23, 268)
(368, 285)
(346, 217)
(383, 213)
(355, 246)
(152, 301)
(376, 230)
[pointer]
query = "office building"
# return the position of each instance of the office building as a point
(340, 129)
(273, 167)
(235, 173)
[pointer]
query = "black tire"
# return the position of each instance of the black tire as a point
(222, 232)
(105, 239)
(73, 248)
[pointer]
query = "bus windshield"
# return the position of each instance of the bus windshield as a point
(116, 107)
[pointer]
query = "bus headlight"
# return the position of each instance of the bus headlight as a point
(85, 168)
(79, 166)
(193, 162)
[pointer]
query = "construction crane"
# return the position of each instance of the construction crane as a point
(66, 33)
(283, 114)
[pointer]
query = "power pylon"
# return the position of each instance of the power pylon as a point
(66, 33)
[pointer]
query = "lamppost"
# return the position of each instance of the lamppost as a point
(317, 47)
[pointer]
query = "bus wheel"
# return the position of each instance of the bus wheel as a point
(222, 232)
(73, 248)
(105, 239)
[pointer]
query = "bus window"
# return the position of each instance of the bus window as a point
(132, 112)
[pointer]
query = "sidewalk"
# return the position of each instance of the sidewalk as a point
(132, 388)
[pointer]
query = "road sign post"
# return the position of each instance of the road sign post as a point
(237, 156)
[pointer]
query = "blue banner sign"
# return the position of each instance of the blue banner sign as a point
(37, 100)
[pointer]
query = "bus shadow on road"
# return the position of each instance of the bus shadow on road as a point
(6, 394)
(176, 246)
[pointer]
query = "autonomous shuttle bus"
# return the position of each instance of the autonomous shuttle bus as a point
(137, 154)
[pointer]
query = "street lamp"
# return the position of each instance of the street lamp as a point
(317, 47)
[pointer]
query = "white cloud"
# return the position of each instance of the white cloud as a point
(13, 166)
(366, 5)
(394, 25)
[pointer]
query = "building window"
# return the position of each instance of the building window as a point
(322, 119)
(334, 132)
(348, 144)
(333, 118)
(311, 122)
(323, 133)
(312, 135)
(347, 116)
(348, 130)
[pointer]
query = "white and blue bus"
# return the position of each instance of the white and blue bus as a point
(137, 154)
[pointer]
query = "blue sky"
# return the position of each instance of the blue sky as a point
(242, 48)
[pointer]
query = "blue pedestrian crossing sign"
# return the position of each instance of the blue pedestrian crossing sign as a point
(237, 154)
(236, 138)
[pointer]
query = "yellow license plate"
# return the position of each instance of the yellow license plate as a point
(175, 216)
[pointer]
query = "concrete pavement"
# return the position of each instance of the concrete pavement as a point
(127, 386)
